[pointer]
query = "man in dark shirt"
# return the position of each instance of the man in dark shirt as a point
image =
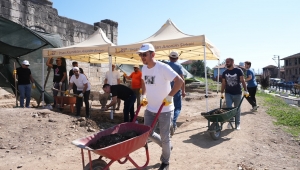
(71, 73)
(24, 77)
(232, 78)
(60, 74)
(124, 93)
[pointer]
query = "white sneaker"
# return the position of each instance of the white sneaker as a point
(256, 107)
(238, 127)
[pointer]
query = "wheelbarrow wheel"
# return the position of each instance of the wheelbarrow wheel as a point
(215, 130)
(97, 164)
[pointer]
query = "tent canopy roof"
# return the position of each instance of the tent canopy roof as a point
(169, 38)
(17, 40)
(92, 50)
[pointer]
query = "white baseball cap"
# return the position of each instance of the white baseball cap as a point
(75, 68)
(146, 47)
(136, 66)
(26, 62)
(173, 54)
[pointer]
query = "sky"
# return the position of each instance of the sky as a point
(246, 30)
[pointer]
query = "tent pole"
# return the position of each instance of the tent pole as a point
(43, 82)
(218, 79)
(110, 82)
(205, 71)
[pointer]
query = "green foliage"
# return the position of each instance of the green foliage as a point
(286, 115)
(190, 80)
(198, 68)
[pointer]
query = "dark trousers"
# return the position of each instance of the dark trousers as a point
(86, 97)
(251, 98)
(129, 108)
(138, 96)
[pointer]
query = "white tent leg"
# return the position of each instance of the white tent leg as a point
(110, 82)
(43, 82)
(205, 71)
(218, 79)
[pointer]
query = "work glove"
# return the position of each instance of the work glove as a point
(222, 95)
(246, 94)
(33, 85)
(16, 80)
(144, 100)
(168, 100)
(67, 92)
(60, 83)
(14, 72)
(141, 90)
(80, 95)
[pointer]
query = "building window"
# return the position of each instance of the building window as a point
(286, 62)
(298, 60)
(296, 71)
(295, 61)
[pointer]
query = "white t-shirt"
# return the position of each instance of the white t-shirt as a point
(80, 81)
(114, 78)
(157, 81)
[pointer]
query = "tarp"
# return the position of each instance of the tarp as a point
(18, 43)
(169, 38)
(92, 50)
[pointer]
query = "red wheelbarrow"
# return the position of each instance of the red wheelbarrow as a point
(119, 150)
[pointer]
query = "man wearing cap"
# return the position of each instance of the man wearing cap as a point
(71, 73)
(177, 97)
(23, 78)
(114, 80)
(83, 90)
(156, 79)
(136, 78)
(60, 74)
(122, 92)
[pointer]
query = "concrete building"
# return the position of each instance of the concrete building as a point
(292, 67)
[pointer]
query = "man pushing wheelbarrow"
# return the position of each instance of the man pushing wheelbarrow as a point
(232, 78)
(156, 78)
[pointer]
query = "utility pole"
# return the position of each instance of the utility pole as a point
(278, 62)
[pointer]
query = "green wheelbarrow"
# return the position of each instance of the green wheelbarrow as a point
(217, 117)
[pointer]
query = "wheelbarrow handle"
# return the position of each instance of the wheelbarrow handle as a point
(240, 103)
(136, 113)
(157, 115)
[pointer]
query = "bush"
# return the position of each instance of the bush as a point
(190, 80)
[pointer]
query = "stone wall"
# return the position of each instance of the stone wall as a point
(39, 15)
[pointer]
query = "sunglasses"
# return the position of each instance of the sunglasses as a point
(144, 54)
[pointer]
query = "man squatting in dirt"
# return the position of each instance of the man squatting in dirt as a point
(83, 90)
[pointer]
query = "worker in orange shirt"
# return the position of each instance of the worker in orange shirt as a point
(136, 85)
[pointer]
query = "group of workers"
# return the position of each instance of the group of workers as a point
(157, 84)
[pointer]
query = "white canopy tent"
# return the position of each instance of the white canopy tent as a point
(92, 50)
(169, 38)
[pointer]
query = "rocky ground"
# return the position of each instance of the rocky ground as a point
(38, 138)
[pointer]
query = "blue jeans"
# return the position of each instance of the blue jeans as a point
(25, 91)
(177, 105)
(235, 99)
(163, 140)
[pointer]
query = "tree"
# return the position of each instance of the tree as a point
(198, 68)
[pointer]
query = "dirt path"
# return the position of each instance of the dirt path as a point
(44, 142)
